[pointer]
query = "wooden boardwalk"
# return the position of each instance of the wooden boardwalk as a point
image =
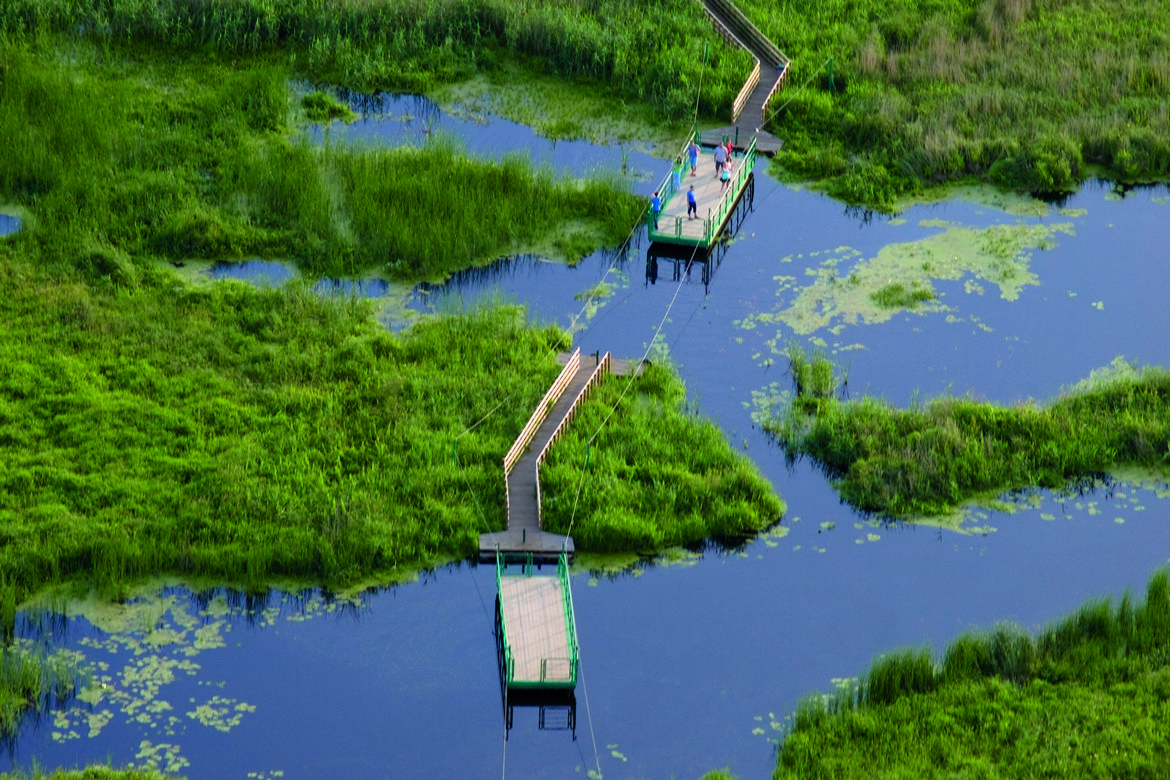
(715, 202)
(767, 78)
(524, 535)
(533, 610)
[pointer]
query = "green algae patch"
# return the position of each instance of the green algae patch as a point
(846, 290)
(1016, 204)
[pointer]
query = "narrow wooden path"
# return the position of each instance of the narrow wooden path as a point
(767, 78)
(524, 535)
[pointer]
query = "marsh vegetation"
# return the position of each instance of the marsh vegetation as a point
(1033, 95)
(932, 457)
(663, 477)
(124, 155)
(1089, 696)
(650, 51)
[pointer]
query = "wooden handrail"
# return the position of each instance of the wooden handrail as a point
(546, 403)
(742, 98)
(603, 367)
(774, 56)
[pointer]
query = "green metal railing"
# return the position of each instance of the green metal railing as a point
(572, 662)
(716, 216)
(570, 619)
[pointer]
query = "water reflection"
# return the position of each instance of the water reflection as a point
(357, 288)
(262, 273)
(411, 120)
(9, 224)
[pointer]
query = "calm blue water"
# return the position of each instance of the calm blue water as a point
(681, 663)
(9, 224)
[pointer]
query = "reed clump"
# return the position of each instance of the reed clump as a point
(655, 476)
(929, 459)
(1031, 95)
(246, 435)
(126, 155)
(1086, 696)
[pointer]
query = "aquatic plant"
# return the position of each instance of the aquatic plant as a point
(32, 678)
(931, 458)
(898, 296)
(322, 107)
(1086, 695)
(205, 169)
(922, 94)
(92, 772)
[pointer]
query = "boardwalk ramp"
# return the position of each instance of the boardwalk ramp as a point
(524, 538)
(767, 77)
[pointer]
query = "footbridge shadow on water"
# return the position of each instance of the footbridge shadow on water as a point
(685, 260)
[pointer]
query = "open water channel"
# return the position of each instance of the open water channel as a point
(693, 664)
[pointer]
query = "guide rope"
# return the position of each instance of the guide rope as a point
(589, 715)
(777, 110)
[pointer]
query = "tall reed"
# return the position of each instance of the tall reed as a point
(1085, 695)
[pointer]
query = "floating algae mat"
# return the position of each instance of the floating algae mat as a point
(848, 289)
(146, 674)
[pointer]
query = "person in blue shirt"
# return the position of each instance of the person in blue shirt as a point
(655, 208)
(693, 153)
(692, 206)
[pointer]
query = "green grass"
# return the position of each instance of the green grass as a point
(95, 772)
(648, 51)
(898, 296)
(658, 475)
(929, 459)
(1028, 94)
(124, 154)
(1086, 697)
(246, 435)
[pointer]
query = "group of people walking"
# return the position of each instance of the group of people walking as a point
(723, 169)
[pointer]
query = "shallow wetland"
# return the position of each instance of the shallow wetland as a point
(693, 661)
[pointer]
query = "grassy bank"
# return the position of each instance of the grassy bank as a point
(123, 153)
(659, 477)
(251, 435)
(929, 459)
(245, 435)
(1029, 94)
(1086, 697)
(650, 51)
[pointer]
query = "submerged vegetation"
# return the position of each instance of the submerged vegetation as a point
(1086, 697)
(1027, 94)
(123, 155)
(929, 459)
(661, 478)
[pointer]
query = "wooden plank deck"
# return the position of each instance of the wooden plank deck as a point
(708, 192)
(538, 636)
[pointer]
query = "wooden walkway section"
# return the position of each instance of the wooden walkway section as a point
(715, 202)
(767, 78)
(536, 631)
(524, 535)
